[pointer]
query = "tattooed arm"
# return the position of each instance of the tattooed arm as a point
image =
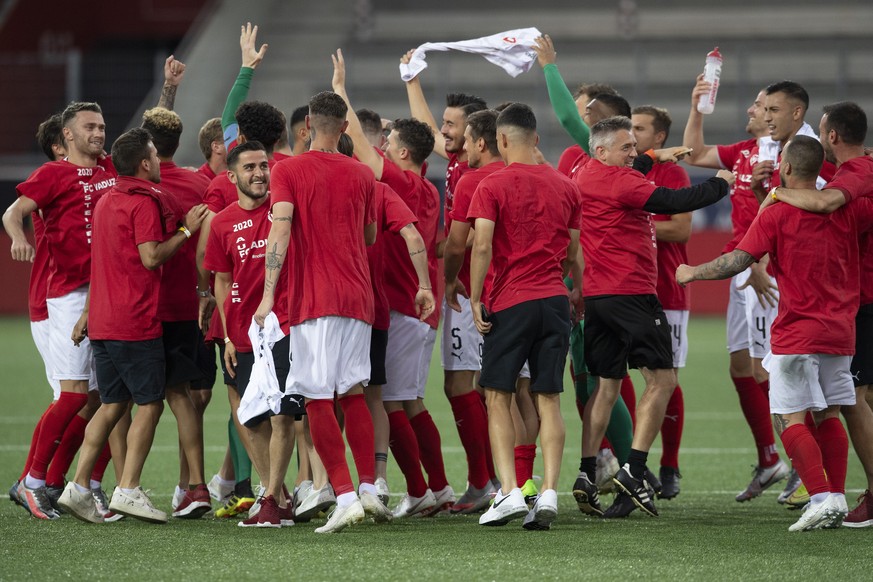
(174, 70)
(277, 249)
(723, 267)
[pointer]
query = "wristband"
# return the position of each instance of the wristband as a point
(185, 231)
(426, 288)
(202, 293)
(226, 340)
(773, 194)
(651, 153)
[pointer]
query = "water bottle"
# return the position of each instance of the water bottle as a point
(711, 74)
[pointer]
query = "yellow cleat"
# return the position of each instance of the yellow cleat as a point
(234, 506)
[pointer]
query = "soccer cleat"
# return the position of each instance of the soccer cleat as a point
(195, 503)
(178, 496)
(300, 493)
(815, 516)
(316, 501)
(530, 492)
(342, 517)
(607, 467)
(234, 506)
(544, 511)
(53, 494)
(862, 515)
(219, 489)
(382, 490)
(505, 508)
(793, 485)
(79, 505)
(410, 505)
(374, 508)
(763, 478)
(669, 482)
(444, 500)
(269, 515)
(837, 511)
(13, 495)
(136, 504)
(652, 482)
(623, 506)
(103, 506)
(637, 490)
(798, 499)
(36, 502)
(473, 500)
(586, 495)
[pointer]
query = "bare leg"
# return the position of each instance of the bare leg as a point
(595, 418)
(502, 435)
(190, 426)
(652, 406)
(96, 434)
(118, 442)
(381, 428)
(552, 435)
(139, 442)
(281, 448)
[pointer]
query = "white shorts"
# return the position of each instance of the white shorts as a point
(809, 382)
(69, 361)
(407, 358)
(461, 342)
(329, 355)
(678, 320)
(525, 371)
(748, 324)
(40, 332)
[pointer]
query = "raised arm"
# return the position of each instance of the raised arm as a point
(705, 156)
(560, 96)
(363, 150)
(174, 70)
(251, 58)
(723, 267)
(419, 110)
(277, 250)
(13, 222)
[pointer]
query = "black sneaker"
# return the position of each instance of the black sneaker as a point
(53, 494)
(586, 496)
(669, 483)
(637, 490)
(623, 506)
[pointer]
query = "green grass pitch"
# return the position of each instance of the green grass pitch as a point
(703, 534)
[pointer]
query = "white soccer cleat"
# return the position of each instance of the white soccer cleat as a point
(763, 478)
(343, 517)
(315, 502)
(838, 511)
(80, 505)
(815, 516)
(544, 511)
(178, 497)
(607, 467)
(444, 500)
(409, 505)
(382, 490)
(505, 508)
(374, 508)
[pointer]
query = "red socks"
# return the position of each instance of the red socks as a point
(431, 450)
(806, 457)
(404, 446)
(70, 444)
(34, 440)
(328, 441)
(524, 462)
(671, 429)
(101, 464)
(629, 397)
(359, 431)
(54, 424)
(834, 445)
(756, 409)
(472, 423)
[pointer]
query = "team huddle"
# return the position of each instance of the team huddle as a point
(304, 253)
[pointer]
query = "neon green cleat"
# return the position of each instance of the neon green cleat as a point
(530, 492)
(234, 506)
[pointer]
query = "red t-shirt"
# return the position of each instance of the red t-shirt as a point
(279, 156)
(454, 171)
(333, 199)
(463, 196)
(237, 245)
(533, 208)
(618, 237)
(392, 214)
(568, 159)
(39, 273)
(67, 194)
(401, 282)
(206, 170)
(670, 254)
(815, 259)
(178, 300)
(124, 294)
(854, 178)
(740, 158)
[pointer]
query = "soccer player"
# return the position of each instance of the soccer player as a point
(843, 128)
(236, 253)
(624, 322)
(753, 293)
(459, 342)
(297, 130)
(323, 217)
(530, 318)
(583, 96)
(415, 439)
(65, 193)
(121, 317)
(211, 142)
(652, 128)
(813, 335)
(483, 157)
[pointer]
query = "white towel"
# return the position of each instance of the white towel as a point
(263, 393)
(768, 149)
(510, 50)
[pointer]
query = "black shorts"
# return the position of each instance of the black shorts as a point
(129, 370)
(862, 363)
(228, 379)
(536, 331)
(626, 330)
(205, 357)
(291, 405)
(180, 351)
(378, 349)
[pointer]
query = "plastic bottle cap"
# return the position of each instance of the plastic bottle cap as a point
(714, 54)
